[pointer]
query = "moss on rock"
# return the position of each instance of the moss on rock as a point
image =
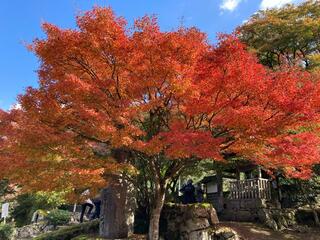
(70, 232)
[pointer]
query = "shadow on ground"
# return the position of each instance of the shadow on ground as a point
(252, 231)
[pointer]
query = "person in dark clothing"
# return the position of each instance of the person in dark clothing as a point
(188, 192)
(84, 207)
(97, 205)
(199, 193)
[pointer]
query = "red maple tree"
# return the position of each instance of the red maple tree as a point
(172, 96)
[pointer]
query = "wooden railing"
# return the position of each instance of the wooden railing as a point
(257, 188)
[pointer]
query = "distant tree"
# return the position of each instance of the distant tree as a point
(288, 35)
(108, 95)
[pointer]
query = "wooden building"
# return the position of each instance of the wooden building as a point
(246, 182)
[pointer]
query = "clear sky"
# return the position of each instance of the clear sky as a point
(20, 22)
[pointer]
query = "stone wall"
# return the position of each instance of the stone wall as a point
(278, 219)
(243, 210)
(186, 222)
(258, 210)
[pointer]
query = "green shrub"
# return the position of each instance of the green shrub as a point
(4, 187)
(58, 217)
(22, 212)
(6, 231)
(30, 202)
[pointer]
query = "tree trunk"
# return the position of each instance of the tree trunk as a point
(155, 214)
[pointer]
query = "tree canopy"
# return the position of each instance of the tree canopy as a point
(289, 35)
(154, 91)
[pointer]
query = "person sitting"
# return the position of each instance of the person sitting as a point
(188, 192)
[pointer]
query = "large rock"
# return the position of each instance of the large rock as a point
(117, 210)
(187, 222)
(277, 219)
(253, 210)
(224, 233)
(195, 224)
(75, 218)
(215, 233)
(33, 230)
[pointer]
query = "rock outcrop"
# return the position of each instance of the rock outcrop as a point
(187, 222)
(258, 210)
(33, 230)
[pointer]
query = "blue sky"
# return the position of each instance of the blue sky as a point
(20, 22)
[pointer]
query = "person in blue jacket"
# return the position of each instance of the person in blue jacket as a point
(188, 193)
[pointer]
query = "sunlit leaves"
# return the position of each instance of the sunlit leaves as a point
(103, 88)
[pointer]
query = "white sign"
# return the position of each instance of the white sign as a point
(5, 210)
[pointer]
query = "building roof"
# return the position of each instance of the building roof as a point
(208, 179)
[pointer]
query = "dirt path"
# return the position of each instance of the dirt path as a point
(251, 231)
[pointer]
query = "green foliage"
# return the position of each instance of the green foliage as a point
(23, 212)
(49, 200)
(6, 231)
(4, 186)
(58, 217)
(302, 192)
(71, 232)
(202, 205)
(29, 203)
(198, 170)
(287, 35)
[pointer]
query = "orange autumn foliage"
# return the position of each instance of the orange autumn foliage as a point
(105, 86)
